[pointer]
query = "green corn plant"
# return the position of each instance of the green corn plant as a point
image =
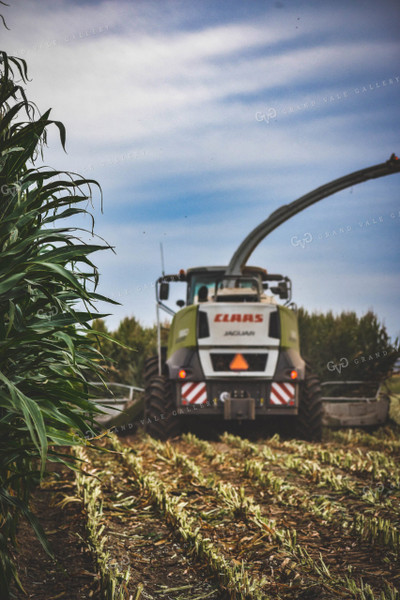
(47, 301)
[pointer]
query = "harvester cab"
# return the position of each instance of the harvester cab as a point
(233, 349)
(211, 284)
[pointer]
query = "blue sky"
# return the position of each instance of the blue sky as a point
(200, 118)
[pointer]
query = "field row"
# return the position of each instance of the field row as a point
(347, 513)
(250, 522)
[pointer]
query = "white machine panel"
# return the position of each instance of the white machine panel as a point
(238, 328)
(244, 324)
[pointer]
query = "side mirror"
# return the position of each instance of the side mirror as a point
(282, 290)
(180, 303)
(164, 291)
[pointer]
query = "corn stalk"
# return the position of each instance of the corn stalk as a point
(113, 581)
(234, 578)
(374, 463)
(374, 529)
(323, 476)
(384, 439)
(242, 506)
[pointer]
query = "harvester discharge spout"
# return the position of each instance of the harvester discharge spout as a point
(284, 213)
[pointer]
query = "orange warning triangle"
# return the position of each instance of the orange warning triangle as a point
(239, 363)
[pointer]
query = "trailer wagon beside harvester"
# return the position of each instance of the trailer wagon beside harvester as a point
(233, 351)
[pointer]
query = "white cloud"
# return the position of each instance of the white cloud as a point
(149, 93)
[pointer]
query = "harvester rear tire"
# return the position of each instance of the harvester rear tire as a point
(309, 419)
(151, 367)
(160, 420)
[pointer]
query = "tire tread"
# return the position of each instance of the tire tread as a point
(159, 401)
(309, 419)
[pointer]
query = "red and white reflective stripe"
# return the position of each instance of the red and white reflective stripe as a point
(282, 393)
(194, 392)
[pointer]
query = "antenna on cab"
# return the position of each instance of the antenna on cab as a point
(162, 259)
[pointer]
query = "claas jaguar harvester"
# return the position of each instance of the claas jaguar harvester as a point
(233, 350)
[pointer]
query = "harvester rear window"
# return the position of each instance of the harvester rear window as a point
(211, 287)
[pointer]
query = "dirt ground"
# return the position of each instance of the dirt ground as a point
(164, 566)
(72, 576)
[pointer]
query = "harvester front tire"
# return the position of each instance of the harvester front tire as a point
(160, 420)
(309, 419)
